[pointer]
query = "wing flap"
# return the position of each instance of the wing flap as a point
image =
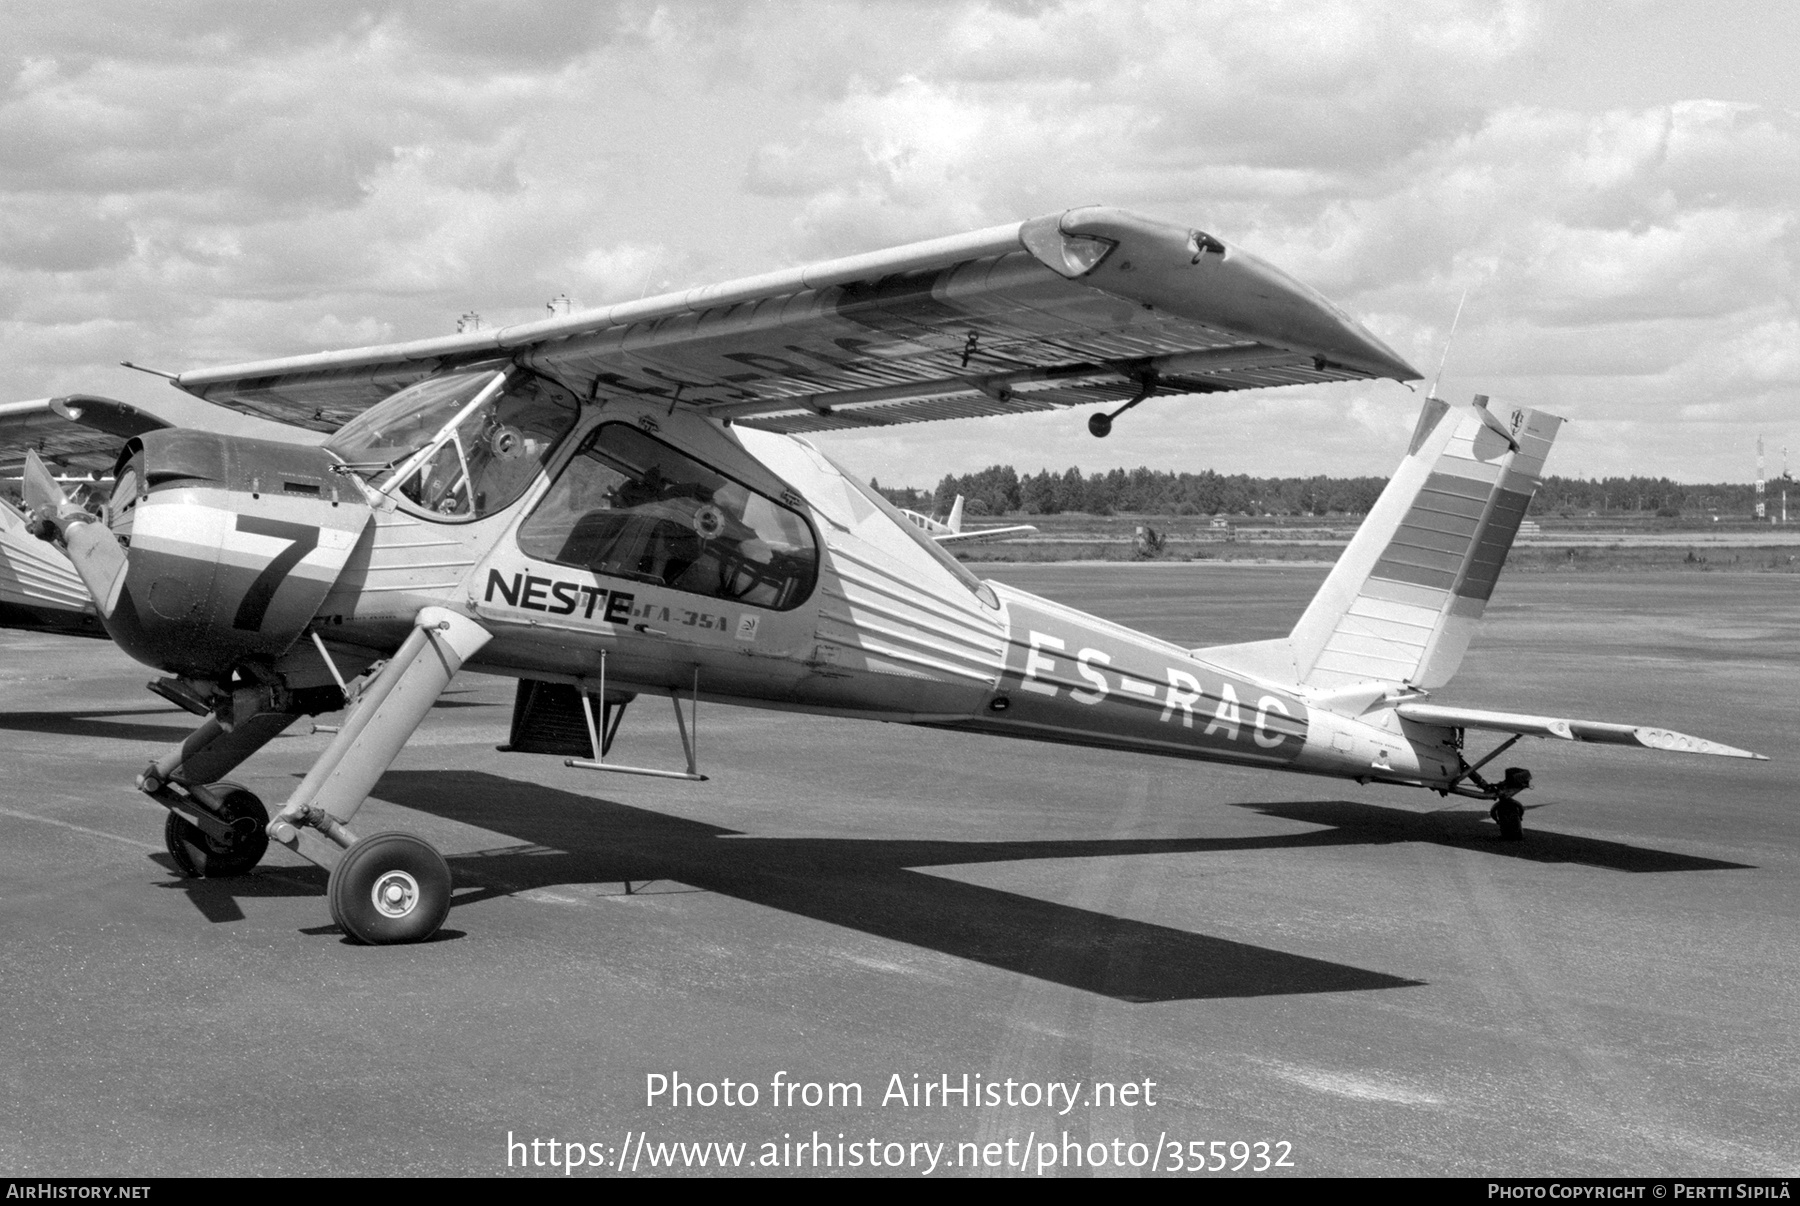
(1595, 731)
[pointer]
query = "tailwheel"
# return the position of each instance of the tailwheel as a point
(198, 853)
(1509, 814)
(390, 888)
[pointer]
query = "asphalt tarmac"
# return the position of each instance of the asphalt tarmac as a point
(1360, 980)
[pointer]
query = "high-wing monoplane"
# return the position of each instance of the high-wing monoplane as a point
(621, 504)
(950, 530)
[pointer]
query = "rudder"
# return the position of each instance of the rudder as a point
(1403, 600)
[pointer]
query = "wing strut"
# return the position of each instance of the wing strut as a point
(602, 741)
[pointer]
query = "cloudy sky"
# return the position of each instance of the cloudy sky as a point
(1614, 185)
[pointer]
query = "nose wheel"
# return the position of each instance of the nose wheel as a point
(199, 853)
(390, 888)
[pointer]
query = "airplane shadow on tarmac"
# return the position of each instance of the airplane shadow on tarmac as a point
(217, 899)
(867, 885)
(99, 722)
(1373, 825)
(874, 886)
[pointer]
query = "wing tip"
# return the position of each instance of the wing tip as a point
(1686, 743)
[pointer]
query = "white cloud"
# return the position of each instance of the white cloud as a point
(201, 182)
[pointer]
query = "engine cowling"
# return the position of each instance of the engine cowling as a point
(232, 544)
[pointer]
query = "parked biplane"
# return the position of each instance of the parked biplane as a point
(620, 503)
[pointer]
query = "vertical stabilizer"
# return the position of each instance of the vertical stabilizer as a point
(954, 522)
(1405, 596)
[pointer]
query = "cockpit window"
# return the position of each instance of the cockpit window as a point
(386, 434)
(463, 446)
(630, 506)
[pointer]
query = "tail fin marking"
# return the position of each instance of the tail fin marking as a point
(1419, 572)
(1402, 601)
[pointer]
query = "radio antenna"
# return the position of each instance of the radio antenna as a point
(1443, 359)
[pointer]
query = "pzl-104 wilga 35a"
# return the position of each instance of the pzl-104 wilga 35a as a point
(617, 503)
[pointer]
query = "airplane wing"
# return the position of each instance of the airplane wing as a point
(79, 434)
(1093, 305)
(1569, 730)
(984, 535)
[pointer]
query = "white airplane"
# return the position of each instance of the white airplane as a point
(619, 503)
(951, 530)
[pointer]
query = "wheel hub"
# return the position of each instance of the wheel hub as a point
(395, 894)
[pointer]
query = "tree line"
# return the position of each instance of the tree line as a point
(1000, 490)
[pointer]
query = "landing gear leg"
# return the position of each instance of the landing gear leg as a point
(1507, 812)
(388, 887)
(217, 829)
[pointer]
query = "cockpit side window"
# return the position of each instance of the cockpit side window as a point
(630, 506)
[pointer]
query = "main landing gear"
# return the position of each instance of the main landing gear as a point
(385, 888)
(390, 887)
(1506, 812)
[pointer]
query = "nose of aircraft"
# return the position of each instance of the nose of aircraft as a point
(1193, 274)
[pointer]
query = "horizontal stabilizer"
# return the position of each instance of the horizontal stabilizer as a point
(984, 535)
(1569, 730)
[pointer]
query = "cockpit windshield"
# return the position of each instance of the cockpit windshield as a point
(386, 434)
(462, 445)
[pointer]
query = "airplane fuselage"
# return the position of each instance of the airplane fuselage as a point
(891, 628)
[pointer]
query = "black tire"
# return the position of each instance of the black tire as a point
(390, 888)
(1509, 814)
(198, 853)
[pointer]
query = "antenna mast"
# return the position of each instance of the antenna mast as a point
(1762, 510)
(1444, 359)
